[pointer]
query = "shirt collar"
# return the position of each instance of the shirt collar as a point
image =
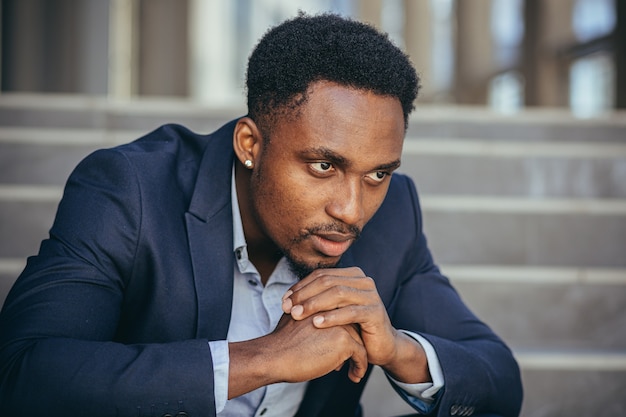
(240, 247)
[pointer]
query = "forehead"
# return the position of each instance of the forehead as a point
(336, 116)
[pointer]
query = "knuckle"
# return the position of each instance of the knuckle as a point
(340, 291)
(326, 280)
(355, 270)
(318, 273)
(309, 305)
(354, 311)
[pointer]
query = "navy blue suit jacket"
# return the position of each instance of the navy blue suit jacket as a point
(112, 317)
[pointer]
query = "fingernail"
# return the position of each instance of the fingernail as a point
(297, 310)
(287, 294)
(287, 305)
(318, 320)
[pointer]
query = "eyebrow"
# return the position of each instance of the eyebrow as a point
(336, 159)
(389, 167)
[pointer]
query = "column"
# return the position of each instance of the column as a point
(93, 46)
(163, 47)
(418, 41)
(370, 11)
(619, 52)
(548, 33)
(40, 45)
(213, 49)
(474, 52)
(123, 56)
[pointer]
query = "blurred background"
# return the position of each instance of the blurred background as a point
(505, 54)
(517, 146)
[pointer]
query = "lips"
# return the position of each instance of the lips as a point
(331, 244)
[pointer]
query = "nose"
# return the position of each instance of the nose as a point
(346, 203)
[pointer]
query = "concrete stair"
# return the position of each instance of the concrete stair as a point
(526, 214)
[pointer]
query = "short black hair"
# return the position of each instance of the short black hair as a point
(303, 50)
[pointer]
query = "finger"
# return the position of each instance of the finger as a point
(328, 280)
(319, 281)
(341, 286)
(355, 331)
(358, 361)
(337, 272)
(357, 371)
(353, 314)
(333, 298)
(358, 364)
(287, 303)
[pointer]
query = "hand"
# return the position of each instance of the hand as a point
(343, 296)
(310, 352)
(295, 351)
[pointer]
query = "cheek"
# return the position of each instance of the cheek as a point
(374, 200)
(281, 201)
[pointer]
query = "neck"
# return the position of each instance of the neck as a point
(264, 259)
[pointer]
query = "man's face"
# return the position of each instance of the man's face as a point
(324, 174)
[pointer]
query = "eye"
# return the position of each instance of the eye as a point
(377, 176)
(321, 167)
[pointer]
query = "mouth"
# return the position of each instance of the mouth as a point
(332, 244)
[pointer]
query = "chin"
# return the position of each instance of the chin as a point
(302, 269)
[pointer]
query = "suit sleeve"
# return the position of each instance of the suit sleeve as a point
(480, 372)
(58, 354)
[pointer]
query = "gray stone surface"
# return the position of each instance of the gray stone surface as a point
(537, 315)
(25, 164)
(538, 125)
(466, 237)
(518, 176)
(23, 226)
(6, 282)
(556, 393)
(84, 112)
(379, 398)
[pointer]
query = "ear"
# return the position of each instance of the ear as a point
(247, 141)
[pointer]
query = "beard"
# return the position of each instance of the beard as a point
(302, 269)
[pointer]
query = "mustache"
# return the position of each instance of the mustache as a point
(353, 231)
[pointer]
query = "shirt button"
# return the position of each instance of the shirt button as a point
(238, 254)
(253, 282)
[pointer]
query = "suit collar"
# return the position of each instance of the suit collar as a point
(210, 236)
(212, 190)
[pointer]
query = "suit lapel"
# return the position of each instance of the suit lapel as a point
(210, 235)
(317, 394)
(333, 395)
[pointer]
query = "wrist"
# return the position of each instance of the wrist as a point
(250, 367)
(408, 352)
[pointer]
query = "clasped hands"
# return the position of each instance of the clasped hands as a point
(331, 316)
(336, 315)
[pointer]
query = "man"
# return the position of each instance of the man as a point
(260, 270)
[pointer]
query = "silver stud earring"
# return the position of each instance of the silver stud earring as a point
(248, 163)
